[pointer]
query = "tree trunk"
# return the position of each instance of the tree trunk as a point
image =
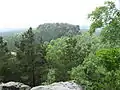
(33, 76)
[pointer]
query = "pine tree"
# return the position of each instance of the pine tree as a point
(4, 56)
(31, 57)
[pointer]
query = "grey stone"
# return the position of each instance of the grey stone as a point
(14, 86)
(59, 86)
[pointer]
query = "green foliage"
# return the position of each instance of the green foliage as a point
(51, 76)
(3, 57)
(107, 18)
(57, 58)
(110, 58)
(87, 43)
(7, 63)
(68, 52)
(103, 15)
(3, 47)
(11, 41)
(31, 58)
(100, 71)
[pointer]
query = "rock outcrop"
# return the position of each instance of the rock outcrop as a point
(59, 86)
(14, 86)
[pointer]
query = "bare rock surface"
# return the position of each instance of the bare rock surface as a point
(59, 86)
(14, 86)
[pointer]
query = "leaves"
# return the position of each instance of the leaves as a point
(104, 16)
(31, 57)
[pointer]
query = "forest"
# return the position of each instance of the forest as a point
(56, 52)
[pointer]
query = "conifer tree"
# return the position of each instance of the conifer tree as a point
(31, 57)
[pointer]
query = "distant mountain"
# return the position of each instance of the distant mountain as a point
(13, 31)
(10, 31)
(47, 31)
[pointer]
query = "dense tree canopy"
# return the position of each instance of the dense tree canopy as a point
(100, 70)
(31, 58)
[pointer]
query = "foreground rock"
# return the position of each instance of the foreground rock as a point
(14, 86)
(59, 86)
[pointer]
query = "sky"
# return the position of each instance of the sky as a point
(31, 13)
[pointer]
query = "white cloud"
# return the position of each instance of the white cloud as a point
(26, 13)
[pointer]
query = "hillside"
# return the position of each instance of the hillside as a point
(47, 31)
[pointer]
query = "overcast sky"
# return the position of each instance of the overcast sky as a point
(26, 13)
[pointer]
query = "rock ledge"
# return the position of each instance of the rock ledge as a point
(59, 86)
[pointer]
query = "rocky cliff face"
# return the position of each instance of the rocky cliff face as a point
(59, 86)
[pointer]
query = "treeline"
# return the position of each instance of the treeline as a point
(25, 64)
(28, 63)
(92, 61)
(36, 63)
(47, 31)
